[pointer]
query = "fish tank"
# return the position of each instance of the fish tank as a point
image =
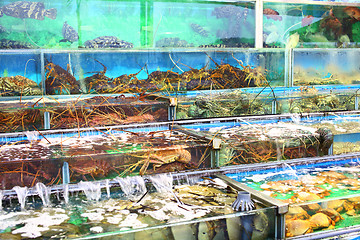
(103, 110)
(126, 24)
(322, 193)
(331, 67)
(21, 115)
(31, 113)
(97, 72)
(22, 78)
(69, 156)
(157, 206)
(57, 25)
(311, 25)
(307, 99)
(261, 140)
(210, 104)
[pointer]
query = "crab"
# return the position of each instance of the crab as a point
(321, 220)
(306, 196)
(313, 180)
(341, 205)
(297, 227)
(296, 212)
(178, 154)
(312, 207)
(332, 175)
(321, 192)
(332, 213)
(277, 186)
(355, 201)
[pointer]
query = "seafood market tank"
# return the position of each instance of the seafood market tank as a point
(168, 206)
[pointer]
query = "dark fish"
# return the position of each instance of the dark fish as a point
(107, 42)
(1, 12)
(199, 29)
(69, 33)
(10, 44)
(270, 13)
(24, 9)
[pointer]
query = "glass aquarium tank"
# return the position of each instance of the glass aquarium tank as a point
(20, 73)
(99, 111)
(320, 25)
(153, 207)
(161, 71)
(323, 193)
(325, 67)
(203, 24)
(56, 156)
(56, 25)
(126, 24)
(262, 140)
(24, 115)
(210, 104)
(308, 99)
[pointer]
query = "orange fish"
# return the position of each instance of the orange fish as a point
(353, 12)
(307, 20)
(270, 13)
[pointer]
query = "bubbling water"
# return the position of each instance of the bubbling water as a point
(91, 190)
(21, 193)
(133, 187)
(44, 193)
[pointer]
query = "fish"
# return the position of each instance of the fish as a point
(24, 9)
(1, 13)
(307, 20)
(107, 42)
(199, 29)
(293, 40)
(10, 44)
(69, 33)
(270, 13)
(353, 12)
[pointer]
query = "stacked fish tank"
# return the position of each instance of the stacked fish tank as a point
(121, 119)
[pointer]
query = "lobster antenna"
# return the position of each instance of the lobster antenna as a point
(27, 64)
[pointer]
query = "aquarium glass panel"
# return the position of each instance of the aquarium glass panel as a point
(323, 195)
(105, 111)
(326, 67)
(20, 74)
(245, 142)
(310, 25)
(70, 24)
(309, 99)
(20, 119)
(203, 24)
(101, 153)
(161, 71)
(167, 208)
(223, 104)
